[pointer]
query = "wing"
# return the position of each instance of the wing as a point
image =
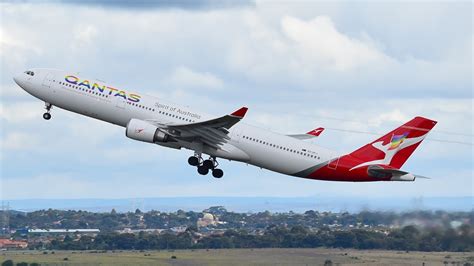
(311, 134)
(213, 132)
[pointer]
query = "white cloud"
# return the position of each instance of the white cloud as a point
(12, 90)
(18, 141)
(303, 50)
(184, 77)
(9, 43)
(21, 112)
(13, 49)
(84, 37)
(320, 43)
(392, 116)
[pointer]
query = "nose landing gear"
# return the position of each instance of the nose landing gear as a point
(47, 115)
(203, 166)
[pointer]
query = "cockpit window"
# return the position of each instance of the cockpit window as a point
(31, 73)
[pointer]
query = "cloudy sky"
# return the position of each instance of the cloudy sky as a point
(349, 66)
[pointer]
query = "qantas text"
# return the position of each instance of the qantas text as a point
(102, 88)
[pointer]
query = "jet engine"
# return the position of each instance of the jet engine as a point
(143, 131)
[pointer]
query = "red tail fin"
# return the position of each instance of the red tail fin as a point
(395, 147)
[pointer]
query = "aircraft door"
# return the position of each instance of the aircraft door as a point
(333, 163)
(47, 80)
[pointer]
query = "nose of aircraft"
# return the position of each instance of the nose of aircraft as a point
(16, 78)
(20, 79)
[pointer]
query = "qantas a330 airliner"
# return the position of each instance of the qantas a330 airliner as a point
(153, 120)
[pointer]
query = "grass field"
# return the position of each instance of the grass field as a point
(241, 257)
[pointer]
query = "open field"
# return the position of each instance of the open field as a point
(241, 257)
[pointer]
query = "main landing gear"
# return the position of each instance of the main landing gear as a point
(47, 115)
(203, 166)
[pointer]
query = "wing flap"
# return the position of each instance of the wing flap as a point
(213, 132)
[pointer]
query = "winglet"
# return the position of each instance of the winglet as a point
(316, 132)
(240, 113)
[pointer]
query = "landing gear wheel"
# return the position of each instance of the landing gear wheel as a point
(209, 164)
(203, 170)
(217, 173)
(47, 116)
(193, 160)
(48, 107)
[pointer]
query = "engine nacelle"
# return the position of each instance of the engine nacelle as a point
(143, 131)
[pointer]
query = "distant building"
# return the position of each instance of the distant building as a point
(178, 229)
(12, 244)
(63, 231)
(207, 220)
(136, 231)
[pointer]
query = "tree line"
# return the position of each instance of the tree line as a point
(230, 220)
(406, 238)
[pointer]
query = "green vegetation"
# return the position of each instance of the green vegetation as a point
(58, 219)
(317, 256)
(8, 263)
(407, 238)
(217, 228)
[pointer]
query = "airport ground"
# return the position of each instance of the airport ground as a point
(318, 256)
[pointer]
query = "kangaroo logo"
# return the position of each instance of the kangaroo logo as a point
(397, 142)
(316, 132)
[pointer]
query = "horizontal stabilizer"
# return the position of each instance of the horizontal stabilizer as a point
(422, 177)
(385, 171)
(309, 135)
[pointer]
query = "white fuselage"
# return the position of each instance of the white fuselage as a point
(249, 144)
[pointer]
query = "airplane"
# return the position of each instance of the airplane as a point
(157, 121)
